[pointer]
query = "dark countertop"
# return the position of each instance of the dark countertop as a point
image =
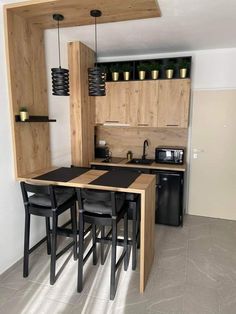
(154, 165)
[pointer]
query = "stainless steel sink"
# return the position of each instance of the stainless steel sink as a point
(140, 161)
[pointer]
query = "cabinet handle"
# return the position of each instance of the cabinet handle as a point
(143, 124)
(172, 125)
(112, 121)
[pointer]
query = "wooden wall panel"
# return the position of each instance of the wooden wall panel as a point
(82, 106)
(122, 139)
(28, 87)
(76, 12)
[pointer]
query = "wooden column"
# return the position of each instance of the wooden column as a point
(28, 88)
(82, 106)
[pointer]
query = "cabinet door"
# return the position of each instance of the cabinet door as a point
(112, 107)
(143, 102)
(173, 107)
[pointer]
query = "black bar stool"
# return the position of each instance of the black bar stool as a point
(49, 202)
(102, 208)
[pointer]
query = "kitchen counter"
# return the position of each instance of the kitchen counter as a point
(154, 165)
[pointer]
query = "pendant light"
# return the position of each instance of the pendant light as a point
(60, 76)
(96, 76)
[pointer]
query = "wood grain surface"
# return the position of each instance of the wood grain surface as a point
(77, 12)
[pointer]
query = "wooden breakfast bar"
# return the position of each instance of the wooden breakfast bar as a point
(144, 185)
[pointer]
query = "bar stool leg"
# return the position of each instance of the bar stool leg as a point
(94, 229)
(102, 245)
(113, 261)
(74, 229)
(126, 257)
(53, 249)
(81, 253)
(134, 238)
(47, 219)
(26, 245)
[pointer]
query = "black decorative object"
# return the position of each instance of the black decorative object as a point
(60, 76)
(96, 75)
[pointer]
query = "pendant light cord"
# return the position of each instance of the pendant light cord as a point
(96, 47)
(59, 46)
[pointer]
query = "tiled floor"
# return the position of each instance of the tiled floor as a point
(194, 272)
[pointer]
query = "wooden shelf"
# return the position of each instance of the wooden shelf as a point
(35, 119)
(134, 68)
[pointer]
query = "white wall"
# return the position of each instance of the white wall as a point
(11, 204)
(59, 107)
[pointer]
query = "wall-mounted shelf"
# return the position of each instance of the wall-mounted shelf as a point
(35, 119)
(135, 63)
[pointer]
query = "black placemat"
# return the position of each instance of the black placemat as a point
(63, 174)
(120, 179)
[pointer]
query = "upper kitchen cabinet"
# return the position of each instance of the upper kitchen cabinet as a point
(173, 105)
(142, 106)
(153, 103)
(112, 108)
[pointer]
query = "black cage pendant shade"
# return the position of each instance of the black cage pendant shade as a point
(60, 76)
(96, 76)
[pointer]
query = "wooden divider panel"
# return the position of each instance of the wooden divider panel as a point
(82, 106)
(28, 88)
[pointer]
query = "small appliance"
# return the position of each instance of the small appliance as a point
(101, 152)
(169, 155)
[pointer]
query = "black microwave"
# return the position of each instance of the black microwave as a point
(169, 155)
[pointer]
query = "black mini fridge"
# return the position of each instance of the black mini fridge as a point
(169, 198)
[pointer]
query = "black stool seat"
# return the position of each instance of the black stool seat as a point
(49, 202)
(62, 196)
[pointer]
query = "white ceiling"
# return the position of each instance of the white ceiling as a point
(185, 25)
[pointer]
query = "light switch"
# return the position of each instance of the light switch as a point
(195, 156)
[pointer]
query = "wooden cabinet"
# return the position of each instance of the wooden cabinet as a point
(143, 103)
(173, 105)
(112, 108)
(160, 103)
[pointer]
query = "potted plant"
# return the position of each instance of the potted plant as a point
(115, 70)
(169, 69)
(126, 68)
(24, 115)
(142, 68)
(183, 66)
(104, 69)
(154, 68)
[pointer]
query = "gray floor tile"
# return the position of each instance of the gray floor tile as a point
(194, 272)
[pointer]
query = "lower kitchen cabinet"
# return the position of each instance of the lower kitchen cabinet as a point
(169, 201)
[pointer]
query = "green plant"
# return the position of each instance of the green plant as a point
(126, 67)
(23, 109)
(142, 66)
(104, 68)
(183, 64)
(170, 65)
(154, 66)
(115, 67)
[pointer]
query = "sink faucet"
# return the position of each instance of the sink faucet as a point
(145, 144)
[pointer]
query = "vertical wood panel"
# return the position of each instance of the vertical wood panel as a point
(82, 106)
(27, 86)
(147, 233)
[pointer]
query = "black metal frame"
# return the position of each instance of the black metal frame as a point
(102, 220)
(51, 234)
